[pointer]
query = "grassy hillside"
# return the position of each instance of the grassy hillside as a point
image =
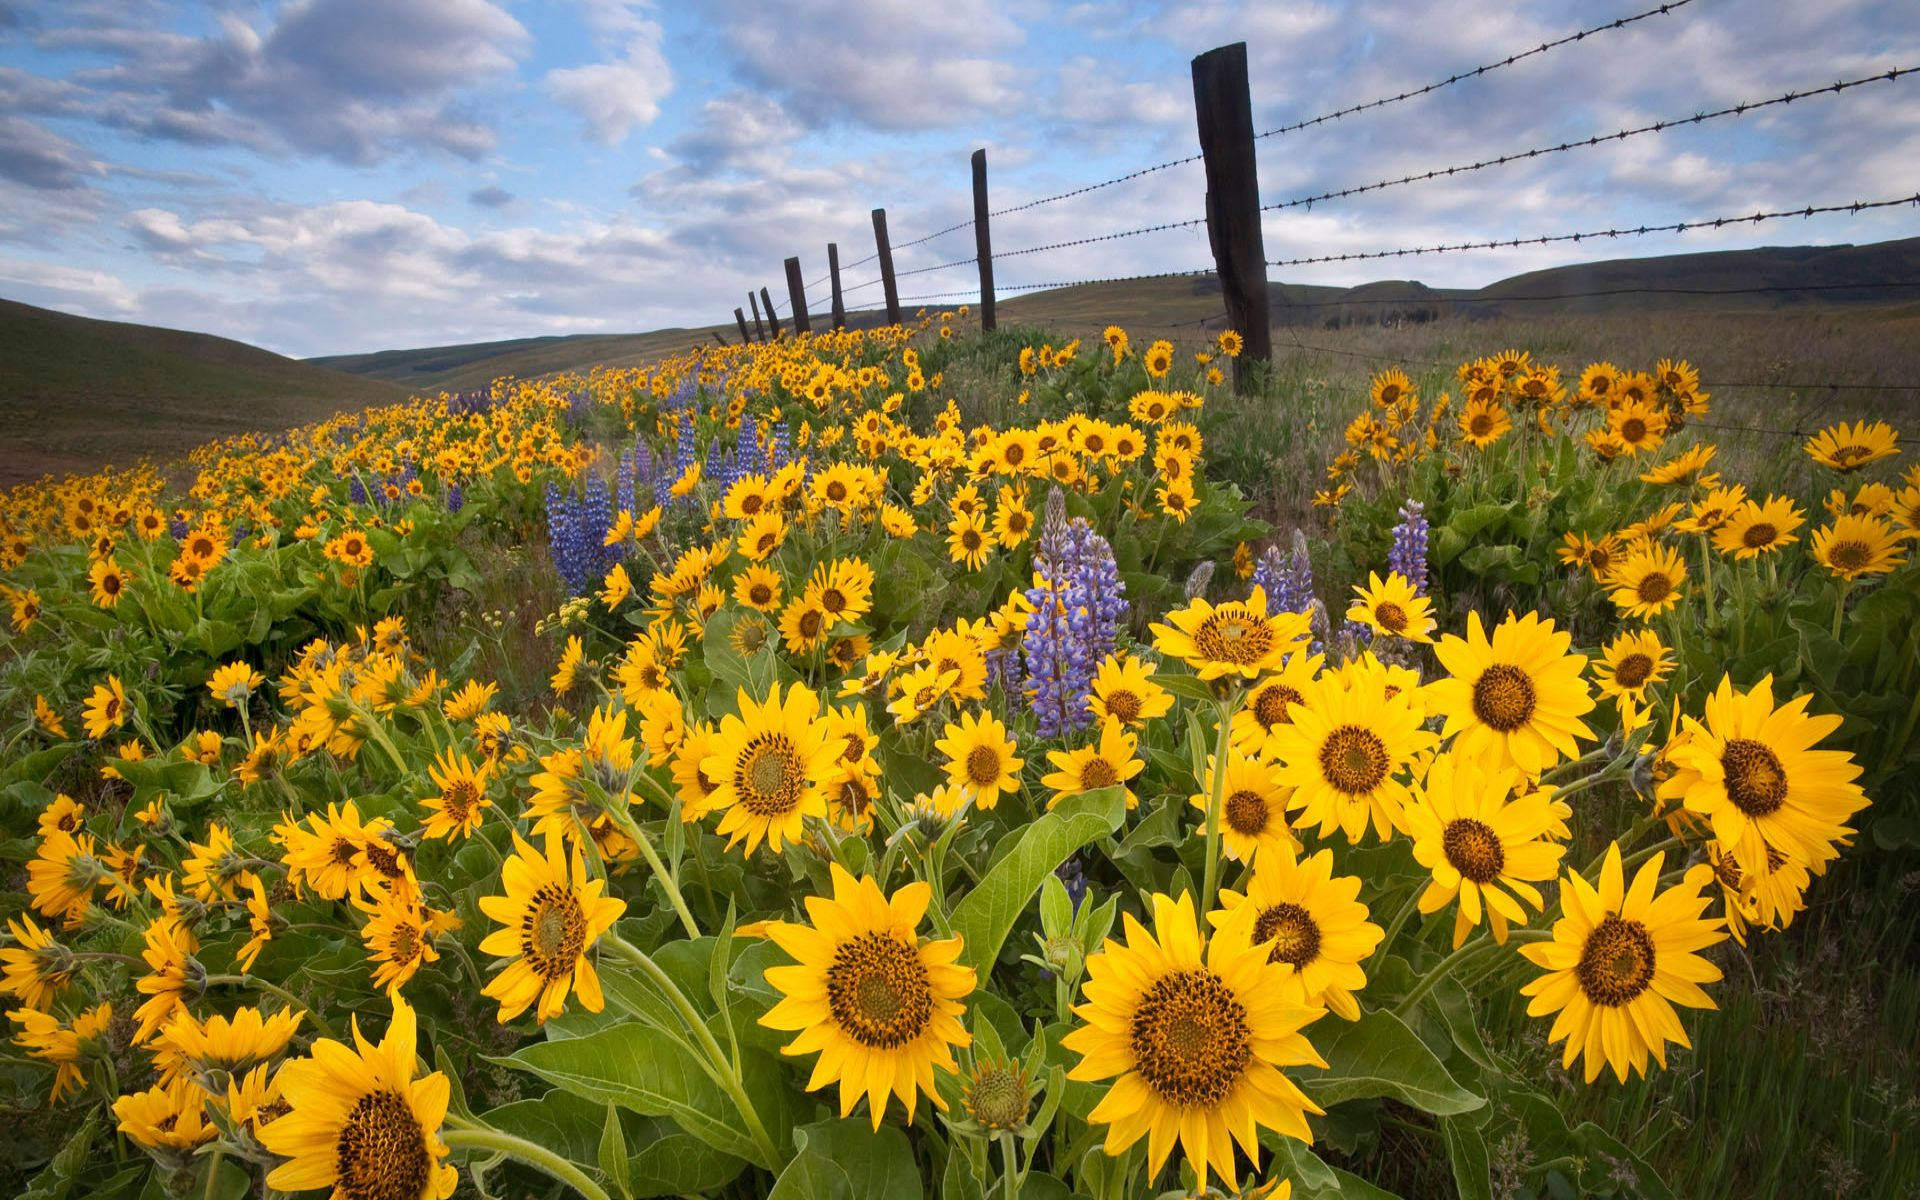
(76, 393)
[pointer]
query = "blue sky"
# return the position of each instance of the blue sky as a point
(329, 176)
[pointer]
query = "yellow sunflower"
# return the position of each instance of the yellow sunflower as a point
(881, 1007)
(758, 588)
(980, 758)
(107, 580)
(1391, 606)
(1854, 546)
(1314, 922)
(1483, 422)
(462, 802)
(359, 1122)
(1620, 959)
(1269, 704)
(1193, 1035)
(1847, 447)
(968, 541)
(171, 1116)
(768, 766)
(1484, 846)
(1750, 768)
(1252, 809)
(1516, 698)
(1647, 581)
(1123, 688)
(1238, 638)
(106, 708)
(1630, 664)
(1638, 424)
(1344, 754)
(551, 916)
(566, 674)
(1759, 528)
(1103, 763)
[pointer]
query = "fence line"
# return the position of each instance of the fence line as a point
(1732, 110)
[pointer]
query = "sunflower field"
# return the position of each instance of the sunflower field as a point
(761, 774)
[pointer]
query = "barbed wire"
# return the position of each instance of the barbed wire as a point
(1094, 187)
(1596, 140)
(1103, 237)
(936, 233)
(1463, 76)
(1436, 298)
(1593, 234)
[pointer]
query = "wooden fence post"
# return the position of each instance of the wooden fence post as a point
(1224, 110)
(760, 331)
(797, 292)
(886, 265)
(982, 244)
(833, 269)
(766, 302)
(740, 319)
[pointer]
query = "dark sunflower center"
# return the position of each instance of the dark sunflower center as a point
(1726, 871)
(1292, 930)
(1230, 636)
(760, 593)
(1849, 555)
(833, 600)
(1247, 813)
(810, 623)
(1633, 429)
(459, 798)
(404, 944)
(971, 539)
(1016, 521)
(1354, 760)
(1190, 1038)
(1391, 616)
(1473, 849)
(1654, 587)
(381, 1153)
(1756, 780)
(1481, 424)
(553, 931)
(1098, 773)
(1760, 534)
(1617, 963)
(769, 776)
(1123, 704)
(1270, 704)
(878, 991)
(1503, 697)
(983, 766)
(836, 491)
(1846, 455)
(1633, 670)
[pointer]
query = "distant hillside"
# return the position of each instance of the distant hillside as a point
(76, 393)
(1884, 273)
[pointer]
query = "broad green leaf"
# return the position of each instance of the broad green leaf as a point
(635, 1068)
(670, 1162)
(988, 913)
(1379, 1056)
(1467, 1154)
(612, 1152)
(876, 1163)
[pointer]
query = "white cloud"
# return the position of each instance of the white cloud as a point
(618, 96)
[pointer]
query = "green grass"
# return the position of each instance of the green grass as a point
(76, 393)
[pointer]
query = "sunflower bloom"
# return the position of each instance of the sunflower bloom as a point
(1619, 961)
(1392, 607)
(769, 768)
(1193, 1035)
(1253, 807)
(359, 1122)
(1314, 922)
(1237, 638)
(552, 915)
(1344, 754)
(880, 1007)
(1516, 698)
(980, 758)
(1484, 846)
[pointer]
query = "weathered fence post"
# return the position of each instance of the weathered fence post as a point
(1224, 110)
(759, 330)
(740, 319)
(886, 265)
(797, 293)
(833, 269)
(982, 244)
(766, 301)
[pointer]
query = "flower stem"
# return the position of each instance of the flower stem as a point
(1434, 976)
(1010, 1176)
(1403, 916)
(1216, 796)
(476, 1136)
(1840, 606)
(725, 1075)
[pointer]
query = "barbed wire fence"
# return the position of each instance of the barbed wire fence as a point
(1233, 219)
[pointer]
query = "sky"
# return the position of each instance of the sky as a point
(338, 176)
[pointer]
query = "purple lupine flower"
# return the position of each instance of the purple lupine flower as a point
(1287, 578)
(1074, 876)
(577, 531)
(1409, 553)
(356, 491)
(456, 499)
(1079, 602)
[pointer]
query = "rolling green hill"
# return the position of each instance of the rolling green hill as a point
(76, 393)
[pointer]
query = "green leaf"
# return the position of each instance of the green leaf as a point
(56, 1179)
(1379, 1056)
(848, 1160)
(633, 1067)
(671, 1162)
(613, 1152)
(988, 913)
(1467, 1153)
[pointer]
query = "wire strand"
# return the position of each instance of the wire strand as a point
(1596, 140)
